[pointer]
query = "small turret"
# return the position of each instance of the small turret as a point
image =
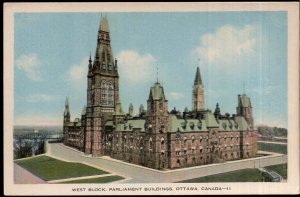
(217, 112)
(90, 65)
(119, 113)
(131, 110)
(142, 110)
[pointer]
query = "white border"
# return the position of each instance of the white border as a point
(291, 187)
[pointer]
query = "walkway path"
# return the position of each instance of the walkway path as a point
(140, 174)
(23, 176)
(270, 142)
(80, 178)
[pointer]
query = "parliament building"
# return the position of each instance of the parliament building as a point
(155, 137)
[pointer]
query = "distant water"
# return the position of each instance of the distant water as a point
(37, 129)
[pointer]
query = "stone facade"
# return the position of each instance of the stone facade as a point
(156, 137)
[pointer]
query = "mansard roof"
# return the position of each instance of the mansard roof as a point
(210, 120)
(187, 125)
(245, 101)
(157, 92)
(236, 123)
(129, 125)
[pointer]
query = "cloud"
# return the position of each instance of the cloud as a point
(176, 95)
(30, 64)
(227, 45)
(78, 72)
(35, 98)
(136, 67)
(265, 90)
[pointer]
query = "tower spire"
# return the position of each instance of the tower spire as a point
(198, 80)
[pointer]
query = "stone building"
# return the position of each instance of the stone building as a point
(156, 137)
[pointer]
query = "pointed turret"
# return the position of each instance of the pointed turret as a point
(90, 65)
(119, 110)
(104, 25)
(67, 114)
(67, 103)
(83, 110)
(104, 62)
(119, 114)
(198, 80)
(217, 112)
(130, 110)
(142, 110)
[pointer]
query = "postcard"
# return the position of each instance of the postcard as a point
(151, 98)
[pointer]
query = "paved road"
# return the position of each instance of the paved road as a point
(22, 176)
(140, 174)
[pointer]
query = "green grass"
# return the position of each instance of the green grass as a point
(48, 168)
(106, 179)
(277, 148)
(280, 169)
(245, 175)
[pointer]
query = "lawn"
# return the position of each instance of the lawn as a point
(245, 175)
(280, 169)
(48, 168)
(106, 179)
(277, 148)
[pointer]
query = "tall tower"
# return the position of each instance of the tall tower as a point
(244, 109)
(198, 93)
(157, 124)
(102, 90)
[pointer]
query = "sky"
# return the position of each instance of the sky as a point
(237, 52)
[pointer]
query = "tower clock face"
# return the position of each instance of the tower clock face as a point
(107, 93)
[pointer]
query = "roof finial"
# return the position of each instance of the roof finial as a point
(244, 91)
(157, 73)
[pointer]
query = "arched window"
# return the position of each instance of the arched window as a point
(108, 55)
(150, 143)
(107, 93)
(162, 142)
(103, 56)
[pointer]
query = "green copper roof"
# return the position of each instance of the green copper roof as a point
(131, 125)
(198, 80)
(242, 124)
(188, 125)
(210, 120)
(228, 125)
(157, 92)
(245, 101)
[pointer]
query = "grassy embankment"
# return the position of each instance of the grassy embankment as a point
(277, 148)
(48, 168)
